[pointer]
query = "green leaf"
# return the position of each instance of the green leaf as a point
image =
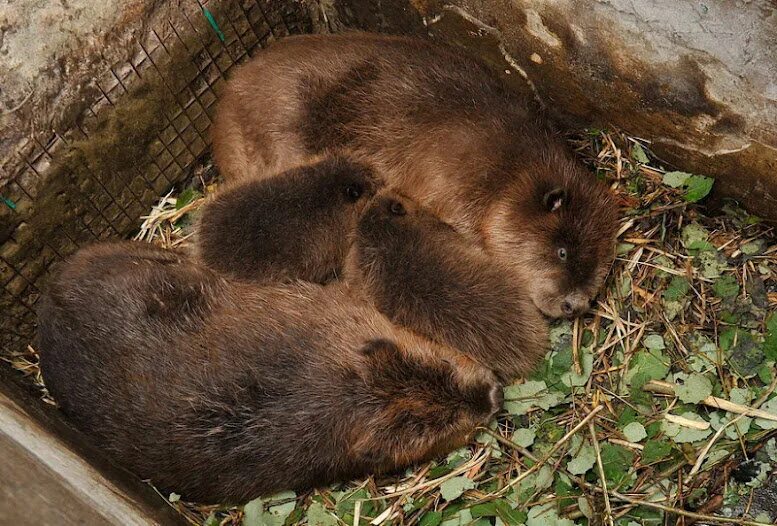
(486, 509)
(771, 449)
(616, 461)
(453, 488)
(746, 357)
(269, 511)
(212, 520)
(654, 342)
(563, 489)
(546, 515)
(770, 339)
(498, 508)
(253, 513)
(753, 248)
(585, 507)
(769, 407)
(544, 478)
(522, 397)
(627, 416)
(187, 196)
(715, 456)
(656, 451)
(727, 336)
(676, 179)
(678, 288)
(583, 461)
(695, 389)
(278, 513)
(431, 518)
(319, 516)
(693, 235)
(460, 518)
(651, 364)
(174, 497)
(560, 335)
(726, 287)
(635, 432)
(524, 437)
(572, 379)
(508, 514)
(711, 264)
(346, 503)
(672, 309)
(698, 187)
(638, 153)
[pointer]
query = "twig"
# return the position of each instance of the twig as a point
(703, 454)
(553, 450)
(685, 422)
(657, 386)
(689, 514)
(600, 467)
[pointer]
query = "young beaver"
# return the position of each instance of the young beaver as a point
(296, 225)
(223, 391)
(426, 277)
(446, 132)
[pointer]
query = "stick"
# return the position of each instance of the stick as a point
(600, 466)
(657, 386)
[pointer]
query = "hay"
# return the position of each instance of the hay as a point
(640, 413)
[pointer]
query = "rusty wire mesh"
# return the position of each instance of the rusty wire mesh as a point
(45, 215)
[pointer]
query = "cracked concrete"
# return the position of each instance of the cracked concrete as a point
(698, 78)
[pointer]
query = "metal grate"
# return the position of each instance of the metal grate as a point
(47, 211)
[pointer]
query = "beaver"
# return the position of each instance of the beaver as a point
(446, 131)
(296, 225)
(427, 277)
(225, 390)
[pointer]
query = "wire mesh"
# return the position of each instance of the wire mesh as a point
(46, 213)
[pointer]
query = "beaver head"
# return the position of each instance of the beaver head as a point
(427, 404)
(294, 225)
(556, 225)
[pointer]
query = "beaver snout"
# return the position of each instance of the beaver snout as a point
(574, 305)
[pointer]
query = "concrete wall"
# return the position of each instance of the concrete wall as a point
(698, 78)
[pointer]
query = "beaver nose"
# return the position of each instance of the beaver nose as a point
(573, 306)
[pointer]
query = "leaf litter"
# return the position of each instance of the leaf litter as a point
(673, 375)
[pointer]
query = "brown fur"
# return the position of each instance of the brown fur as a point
(223, 391)
(445, 131)
(425, 276)
(296, 225)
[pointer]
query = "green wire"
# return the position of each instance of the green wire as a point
(212, 22)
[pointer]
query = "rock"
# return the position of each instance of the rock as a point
(698, 79)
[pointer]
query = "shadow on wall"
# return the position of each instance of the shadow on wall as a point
(670, 72)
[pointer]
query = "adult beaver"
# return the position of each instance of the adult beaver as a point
(223, 391)
(443, 130)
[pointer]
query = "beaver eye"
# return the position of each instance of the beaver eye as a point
(353, 192)
(397, 209)
(562, 253)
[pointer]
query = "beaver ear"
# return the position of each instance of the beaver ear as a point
(554, 199)
(380, 347)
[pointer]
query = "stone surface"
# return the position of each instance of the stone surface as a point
(697, 78)
(50, 53)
